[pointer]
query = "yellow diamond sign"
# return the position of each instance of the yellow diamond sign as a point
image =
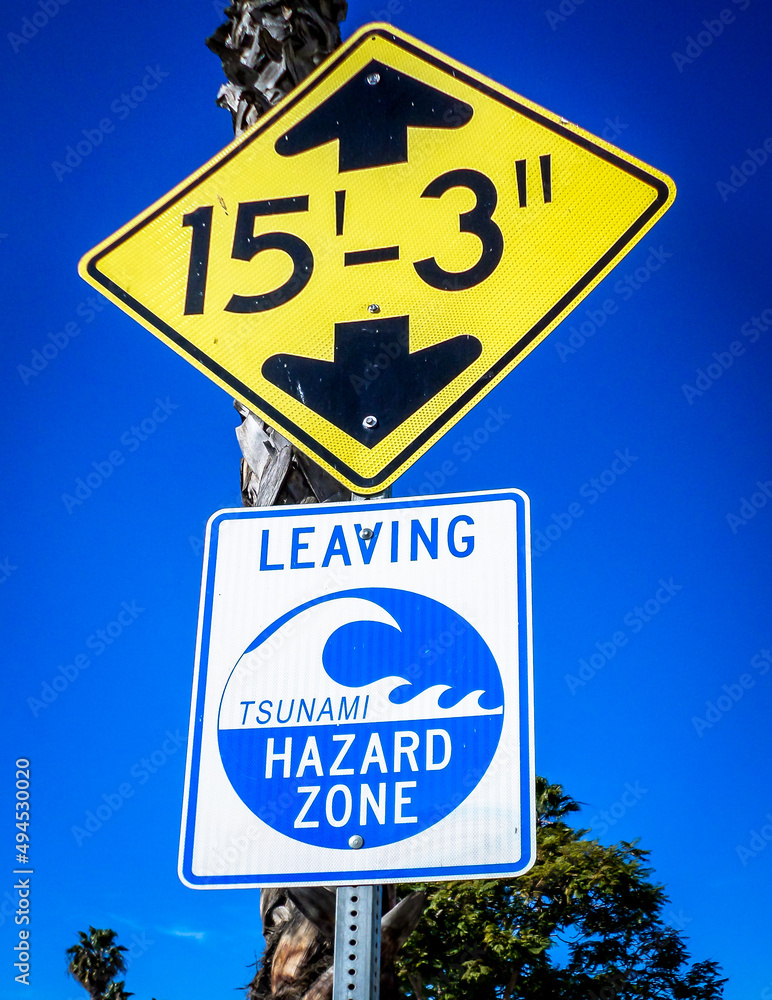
(380, 250)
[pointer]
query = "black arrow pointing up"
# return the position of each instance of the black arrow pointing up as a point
(373, 374)
(370, 116)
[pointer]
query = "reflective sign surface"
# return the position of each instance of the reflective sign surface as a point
(379, 250)
(362, 706)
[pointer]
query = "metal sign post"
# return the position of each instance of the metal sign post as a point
(357, 962)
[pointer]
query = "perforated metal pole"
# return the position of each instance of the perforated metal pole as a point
(358, 908)
(357, 943)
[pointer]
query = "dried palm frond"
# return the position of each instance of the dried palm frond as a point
(267, 48)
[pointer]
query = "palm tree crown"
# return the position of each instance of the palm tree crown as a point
(116, 991)
(95, 960)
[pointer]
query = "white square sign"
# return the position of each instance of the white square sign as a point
(362, 702)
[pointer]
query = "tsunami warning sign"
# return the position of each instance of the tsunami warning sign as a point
(362, 704)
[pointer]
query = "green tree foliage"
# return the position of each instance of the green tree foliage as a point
(586, 922)
(95, 961)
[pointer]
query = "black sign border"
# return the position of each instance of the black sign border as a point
(274, 416)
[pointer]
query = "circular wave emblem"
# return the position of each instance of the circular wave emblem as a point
(371, 712)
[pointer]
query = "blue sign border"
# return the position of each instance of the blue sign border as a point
(358, 876)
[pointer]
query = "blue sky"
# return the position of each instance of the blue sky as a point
(641, 434)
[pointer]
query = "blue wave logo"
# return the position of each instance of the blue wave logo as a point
(433, 645)
(372, 711)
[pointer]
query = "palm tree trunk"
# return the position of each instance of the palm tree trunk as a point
(266, 49)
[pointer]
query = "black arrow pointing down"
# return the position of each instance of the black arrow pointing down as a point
(370, 115)
(345, 391)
